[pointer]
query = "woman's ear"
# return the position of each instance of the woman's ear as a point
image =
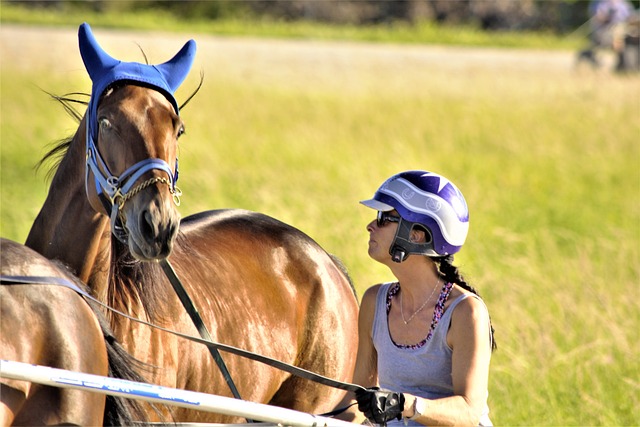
(417, 235)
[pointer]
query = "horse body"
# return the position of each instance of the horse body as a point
(52, 325)
(259, 284)
(275, 284)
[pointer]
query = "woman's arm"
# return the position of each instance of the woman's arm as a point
(469, 337)
(366, 369)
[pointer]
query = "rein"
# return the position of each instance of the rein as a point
(206, 340)
(294, 370)
(191, 309)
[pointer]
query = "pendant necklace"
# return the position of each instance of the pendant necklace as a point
(406, 322)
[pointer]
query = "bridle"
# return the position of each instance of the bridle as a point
(114, 191)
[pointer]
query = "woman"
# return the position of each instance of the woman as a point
(425, 339)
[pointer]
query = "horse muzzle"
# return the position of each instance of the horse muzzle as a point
(151, 221)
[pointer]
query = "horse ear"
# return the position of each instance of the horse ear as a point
(176, 69)
(95, 59)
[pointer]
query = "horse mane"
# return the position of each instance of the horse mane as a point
(126, 289)
(59, 148)
(127, 276)
(121, 411)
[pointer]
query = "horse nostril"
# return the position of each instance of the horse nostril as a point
(173, 230)
(147, 225)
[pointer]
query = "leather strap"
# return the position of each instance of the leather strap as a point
(191, 309)
(294, 370)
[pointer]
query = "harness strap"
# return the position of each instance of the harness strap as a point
(198, 323)
(294, 370)
(42, 280)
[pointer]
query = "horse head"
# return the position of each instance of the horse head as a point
(132, 128)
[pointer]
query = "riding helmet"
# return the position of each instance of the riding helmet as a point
(428, 201)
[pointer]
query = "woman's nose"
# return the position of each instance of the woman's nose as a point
(370, 226)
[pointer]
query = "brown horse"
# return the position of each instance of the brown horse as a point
(51, 325)
(259, 284)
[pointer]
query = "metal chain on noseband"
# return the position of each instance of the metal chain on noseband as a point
(121, 199)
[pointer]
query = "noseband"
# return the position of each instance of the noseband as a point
(114, 191)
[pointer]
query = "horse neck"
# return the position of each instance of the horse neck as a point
(70, 230)
(67, 228)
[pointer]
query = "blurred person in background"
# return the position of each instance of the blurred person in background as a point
(608, 23)
(425, 339)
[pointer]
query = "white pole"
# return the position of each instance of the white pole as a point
(157, 394)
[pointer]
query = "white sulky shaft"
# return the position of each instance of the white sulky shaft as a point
(157, 394)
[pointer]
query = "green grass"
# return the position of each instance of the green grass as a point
(396, 32)
(549, 164)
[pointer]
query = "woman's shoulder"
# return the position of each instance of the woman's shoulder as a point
(372, 292)
(469, 321)
(368, 306)
(460, 294)
(370, 296)
(467, 304)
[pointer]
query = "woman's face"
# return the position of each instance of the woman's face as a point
(382, 230)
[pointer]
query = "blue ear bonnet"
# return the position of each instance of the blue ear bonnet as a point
(105, 70)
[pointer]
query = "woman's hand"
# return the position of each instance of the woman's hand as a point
(380, 406)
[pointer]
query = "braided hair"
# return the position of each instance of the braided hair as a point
(450, 273)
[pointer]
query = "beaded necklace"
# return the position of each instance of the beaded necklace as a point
(437, 312)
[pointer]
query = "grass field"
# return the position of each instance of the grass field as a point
(548, 158)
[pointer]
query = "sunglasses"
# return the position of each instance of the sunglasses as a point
(385, 217)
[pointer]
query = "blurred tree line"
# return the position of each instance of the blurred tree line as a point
(560, 16)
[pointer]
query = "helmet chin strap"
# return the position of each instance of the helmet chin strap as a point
(402, 245)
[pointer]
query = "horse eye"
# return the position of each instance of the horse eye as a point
(104, 123)
(181, 132)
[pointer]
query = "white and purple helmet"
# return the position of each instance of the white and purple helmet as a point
(429, 200)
